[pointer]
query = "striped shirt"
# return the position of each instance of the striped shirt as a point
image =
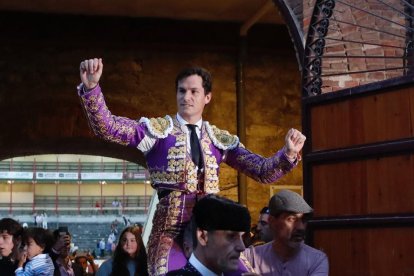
(41, 265)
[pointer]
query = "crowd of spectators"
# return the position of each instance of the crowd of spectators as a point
(219, 240)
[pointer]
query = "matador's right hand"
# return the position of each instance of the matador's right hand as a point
(91, 72)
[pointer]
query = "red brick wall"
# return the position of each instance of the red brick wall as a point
(344, 31)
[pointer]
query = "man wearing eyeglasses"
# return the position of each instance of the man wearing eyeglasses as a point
(287, 254)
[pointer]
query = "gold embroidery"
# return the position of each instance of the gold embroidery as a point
(192, 179)
(224, 137)
(111, 128)
(176, 153)
(167, 177)
(211, 181)
(160, 241)
(180, 140)
(249, 162)
(266, 169)
(159, 125)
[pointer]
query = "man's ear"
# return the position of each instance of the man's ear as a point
(202, 237)
(207, 98)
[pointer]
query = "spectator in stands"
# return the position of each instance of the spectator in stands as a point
(44, 220)
(38, 243)
(97, 207)
(125, 220)
(115, 205)
(130, 257)
(102, 247)
(114, 227)
(34, 218)
(89, 268)
(10, 240)
(39, 220)
(287, 254)
(218, 225)
(109, 244)
(120, 208)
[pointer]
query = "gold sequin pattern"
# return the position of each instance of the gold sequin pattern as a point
(211, 181)
(175, 172)
(176, 153)
(224, 137)
(192, 179)
(159, 125)
(111, 128)
(160, 242)
(167, 177)
(263, 170)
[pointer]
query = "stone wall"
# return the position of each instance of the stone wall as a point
(39, 73)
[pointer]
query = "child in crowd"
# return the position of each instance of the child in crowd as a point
(38, 243)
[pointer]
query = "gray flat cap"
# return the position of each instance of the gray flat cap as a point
(288, 201)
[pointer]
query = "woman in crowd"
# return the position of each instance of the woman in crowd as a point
(129, 257)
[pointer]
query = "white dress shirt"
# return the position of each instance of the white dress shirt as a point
(200, 267)
(148, 142)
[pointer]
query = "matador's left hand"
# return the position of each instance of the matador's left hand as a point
(294, 142)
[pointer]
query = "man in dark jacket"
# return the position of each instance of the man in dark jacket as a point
(217, 225)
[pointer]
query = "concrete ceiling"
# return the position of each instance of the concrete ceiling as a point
(210, 10)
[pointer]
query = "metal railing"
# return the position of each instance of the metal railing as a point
(353, 43)
(84, 205)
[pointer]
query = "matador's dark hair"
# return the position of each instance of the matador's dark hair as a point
(203, 73)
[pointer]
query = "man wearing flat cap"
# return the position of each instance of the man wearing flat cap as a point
(287, 254)
(218, 225)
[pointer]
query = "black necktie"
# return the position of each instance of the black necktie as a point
(195, 147)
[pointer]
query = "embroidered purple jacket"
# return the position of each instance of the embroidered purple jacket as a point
(171, 168)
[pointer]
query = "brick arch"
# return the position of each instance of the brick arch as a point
(360, 42)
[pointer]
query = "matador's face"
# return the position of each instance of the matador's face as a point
(191, 98)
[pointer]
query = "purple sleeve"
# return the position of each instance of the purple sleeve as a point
(261, 169)
(120, 130)
(320, 267)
